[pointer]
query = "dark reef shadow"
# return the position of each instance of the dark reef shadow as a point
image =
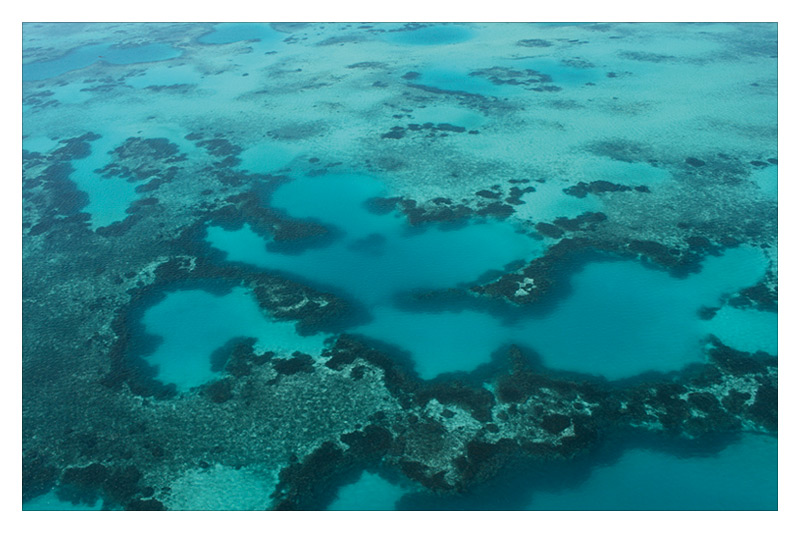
(516, 486)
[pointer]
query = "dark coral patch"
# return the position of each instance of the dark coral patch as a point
(88, 484)
(38, 476)
(145, 505)
(765, 408)
(596, 187)
(397, 132)
(586, 221)
(556, 423)
(220, 148)
(75, 148)
(219, 391)
(549, 230)
(299, 362)
(534, 43)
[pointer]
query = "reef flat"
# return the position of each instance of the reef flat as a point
(399, 266)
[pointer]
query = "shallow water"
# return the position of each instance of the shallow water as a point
(438, 34)
(231, 32)
(562, 73)
(549, 202)
(623, 173)
(221, 488)
(267, 157)
(90, 54)
(767, 181)
(448, 77)
(450, 115)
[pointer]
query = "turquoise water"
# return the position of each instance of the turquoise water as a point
(51, 502)
(748, 330)
(109, 198)
(449, 78)
(379, 256)
(623, 173)
(87, 55)
(620, 319)
(457, 116)
(767, 181)
(623, 319)
(231, 32)
(632, 476)
(549, 201)
(267, 156)
(563, 74)
(194, 323)
(439, 34)
(165, 74)
(250, 84)
(743, 476)
(370, 493)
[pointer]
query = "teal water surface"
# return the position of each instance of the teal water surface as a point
(561, 72)
(439, 34)
(51, 502)
(743, 476)
(230, 32)
(194, 323)
(370, 493)
(379, 256)
(84, 56)
(331, 91)
(620, 318)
